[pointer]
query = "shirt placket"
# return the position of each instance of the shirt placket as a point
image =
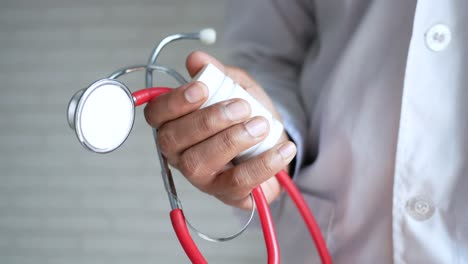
(414, 197)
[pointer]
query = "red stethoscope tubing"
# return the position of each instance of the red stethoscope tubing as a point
(273, 253)
(268, 228)
(269, 233)
(145, 95)
(184, 237)
(285, 180)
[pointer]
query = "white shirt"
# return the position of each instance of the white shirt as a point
(374, 95)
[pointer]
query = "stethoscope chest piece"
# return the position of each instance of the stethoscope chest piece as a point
(102, 115)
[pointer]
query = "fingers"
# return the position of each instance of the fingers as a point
(201, 163)
(234, 185)
(176, 103)
(178, 135)
(271, 188)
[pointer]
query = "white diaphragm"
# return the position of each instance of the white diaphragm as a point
(102, 115)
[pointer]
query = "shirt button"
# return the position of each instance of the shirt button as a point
(420, 208)
(438, 37)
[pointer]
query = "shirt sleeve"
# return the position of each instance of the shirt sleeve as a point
(270, 39)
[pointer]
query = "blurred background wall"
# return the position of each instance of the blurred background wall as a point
(62, 204)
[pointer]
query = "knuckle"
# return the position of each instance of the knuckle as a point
(250, 176)
(166, 140)
(227, 140)
(206, 122)
(173, 106)
(189, 165)
(242, 179)
(266, 164)
(149, 117)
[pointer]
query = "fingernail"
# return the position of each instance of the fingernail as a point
(236, 110)
(256, 127)
(287, 150)
(195, 92)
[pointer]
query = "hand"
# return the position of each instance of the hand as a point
(201, 143)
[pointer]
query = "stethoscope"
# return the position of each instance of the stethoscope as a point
(102, 116)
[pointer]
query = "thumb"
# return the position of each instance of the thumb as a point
(198, 59)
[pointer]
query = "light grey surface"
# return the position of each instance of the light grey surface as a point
(60, 203)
